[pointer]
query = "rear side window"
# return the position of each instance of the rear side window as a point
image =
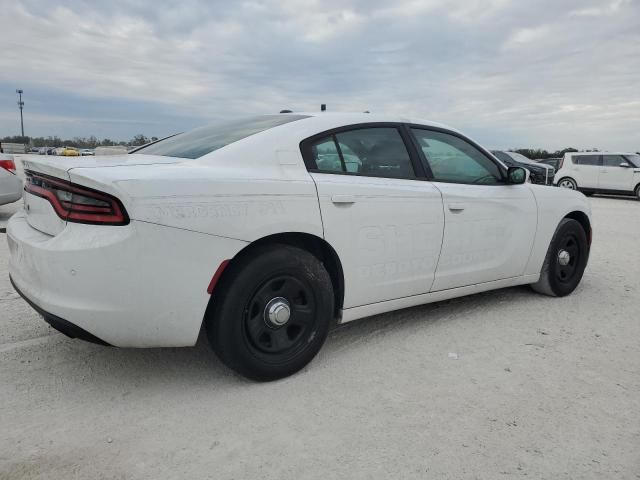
(378, 151)
(199, 142)
(586, 159)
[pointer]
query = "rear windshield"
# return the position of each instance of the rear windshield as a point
(203, 140)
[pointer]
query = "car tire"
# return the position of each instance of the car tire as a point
(566, 260)
(637, 192)
(271, 314)
(568, 182)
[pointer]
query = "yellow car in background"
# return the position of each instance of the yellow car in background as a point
(70, 152)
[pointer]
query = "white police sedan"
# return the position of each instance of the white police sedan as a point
(266, 230)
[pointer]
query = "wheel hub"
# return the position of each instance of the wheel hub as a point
(564, 258)
(277, 312)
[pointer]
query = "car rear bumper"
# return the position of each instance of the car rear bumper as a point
(63, 326)
(140, 285)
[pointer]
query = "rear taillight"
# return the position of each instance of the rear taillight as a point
(75, 203)
(8, 165)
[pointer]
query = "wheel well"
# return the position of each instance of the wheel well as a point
(317, 246)
(568, 177)
(583, 219)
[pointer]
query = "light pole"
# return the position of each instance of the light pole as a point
(20, 106)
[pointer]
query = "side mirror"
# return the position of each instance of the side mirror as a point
(625, 165)
(517, 175)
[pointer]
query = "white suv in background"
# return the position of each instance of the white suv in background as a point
(600, 172)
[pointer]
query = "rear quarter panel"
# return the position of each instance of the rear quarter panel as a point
(244, 191)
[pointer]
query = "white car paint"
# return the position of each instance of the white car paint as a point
(599, 176)
(10, 183)
(400, 242)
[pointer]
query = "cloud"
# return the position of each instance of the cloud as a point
(548, 74)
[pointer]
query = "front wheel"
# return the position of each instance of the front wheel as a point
(271, 315)
(637, 192)
(569, 183)
(566, 260)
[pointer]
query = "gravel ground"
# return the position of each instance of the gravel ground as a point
(498, 385)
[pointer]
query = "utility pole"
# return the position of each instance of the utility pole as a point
(20, 106)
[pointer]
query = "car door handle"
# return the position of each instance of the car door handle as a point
(456, 207)
(343, 199)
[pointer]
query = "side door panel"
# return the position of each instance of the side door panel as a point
(613, 176)
(490, 225)
(489, 233)
(385, 223)
(387, 233)
(587, 168)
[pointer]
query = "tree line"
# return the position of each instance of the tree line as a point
(79, 142)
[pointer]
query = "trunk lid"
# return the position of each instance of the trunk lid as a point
(39, 212)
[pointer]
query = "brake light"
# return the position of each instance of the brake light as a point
(75, 203)
(8, 165)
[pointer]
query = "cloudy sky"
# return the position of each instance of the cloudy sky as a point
(510, 73)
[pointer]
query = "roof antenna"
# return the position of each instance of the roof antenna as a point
(323, 107)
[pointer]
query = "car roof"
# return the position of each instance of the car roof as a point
(317, 122)
(363, 117)
(602, 153)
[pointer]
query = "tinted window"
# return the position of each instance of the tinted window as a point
(326, 155)
(452, 159)
(613, 160)
(504, 157)
(552, 161)
(201, 141)
(364, 151)
(586, 159)
(633, 159)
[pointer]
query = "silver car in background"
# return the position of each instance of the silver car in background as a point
(10, 183)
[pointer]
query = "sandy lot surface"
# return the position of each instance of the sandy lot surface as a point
(506, 384)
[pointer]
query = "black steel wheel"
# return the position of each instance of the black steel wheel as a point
(271, 312)
(566, 260)
(280, 316)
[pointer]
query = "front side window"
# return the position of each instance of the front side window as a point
(613, 160)
(378, 151)
(452, 159)
(586, 160)
(634, 160)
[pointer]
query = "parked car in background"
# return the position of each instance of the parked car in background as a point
(70, 152)
(541, 174)
(260, 230)
(600, 172)
(556, 163)
(34, 150)
(86, 151)
(114, 150)
(10, 183)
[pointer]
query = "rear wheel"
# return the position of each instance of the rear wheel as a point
(637, 192)
(569, 183)
(272, 314)
(565, 261)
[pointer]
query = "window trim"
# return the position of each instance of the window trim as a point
(307, 154)
(482, 150)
